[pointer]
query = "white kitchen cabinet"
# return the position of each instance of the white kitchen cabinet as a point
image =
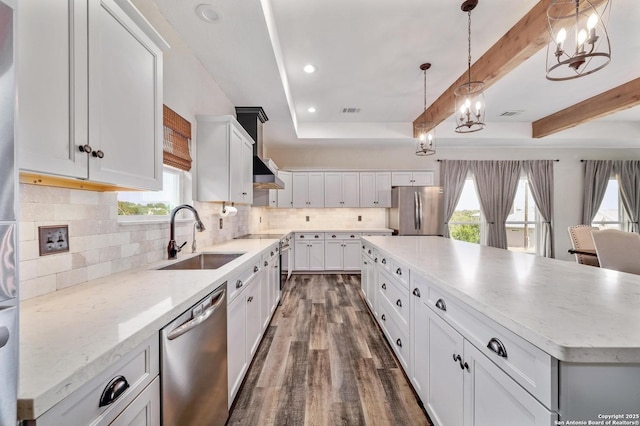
(342, 252)
(369, 277)
(307, 189)
(223, 159)
(285, 195)
(309, 252)
(94, 83)
(270, 286)
(419, 331)
(341, 189)
(144, 410)
(252, 297)
(409, 178)
(375, 189)
(236, 345)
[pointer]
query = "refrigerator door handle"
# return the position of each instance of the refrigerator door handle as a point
(415, 211)
(419, 210)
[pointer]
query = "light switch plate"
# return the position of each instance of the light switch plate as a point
(53, 239)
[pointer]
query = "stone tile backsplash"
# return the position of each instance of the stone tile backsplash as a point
(99, 245)
(347, 218)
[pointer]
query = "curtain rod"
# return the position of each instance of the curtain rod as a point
(556, 160)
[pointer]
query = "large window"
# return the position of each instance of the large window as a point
(521, 222)
(465, 223)
(610, 215)
(143, 204)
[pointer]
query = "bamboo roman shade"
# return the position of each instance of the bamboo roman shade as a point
(177, 134)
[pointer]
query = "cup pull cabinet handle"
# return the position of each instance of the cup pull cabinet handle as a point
(441, 305)
(399, 271)
(383, 317)
(497, 347)
(255, 268)
(399, 342)
(239, 284)
(384, 286)
(114, 389)
(384, 261)
(416, 292)
(457, 358)
(399, 303)
(266, 263)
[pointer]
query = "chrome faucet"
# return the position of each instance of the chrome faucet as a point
(173, 249)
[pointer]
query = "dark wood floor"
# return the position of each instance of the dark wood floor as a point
(323, 361)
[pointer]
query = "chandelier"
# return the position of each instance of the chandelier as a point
(579, 43)
(470, 105)
(424, 130)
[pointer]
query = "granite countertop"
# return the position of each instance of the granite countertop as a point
(575, 313)
(70, 336)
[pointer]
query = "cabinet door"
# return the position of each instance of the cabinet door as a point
(252, 298)
(316, 189)
(301, 256)
(333, 189)
(351, 255)
(316, 256)
(333, 255)
(48, 140)
(423, 178)
(492, 398)
(236, 344)
(445, 393)
(350, 189)
(401, 179)
(266, 300)
(420, 346)
(235, 166)
(247, 172)
(125, 100)
(367, 189)
(285, 195)
(144, 410)
(275, 283)
(383, 189)
(299, 186)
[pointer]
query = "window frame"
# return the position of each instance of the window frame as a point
(481, 220)
(537, 222)
(623, 218)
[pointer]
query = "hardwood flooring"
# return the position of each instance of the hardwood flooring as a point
(324, 361)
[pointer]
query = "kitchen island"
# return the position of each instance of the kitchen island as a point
(569, 333)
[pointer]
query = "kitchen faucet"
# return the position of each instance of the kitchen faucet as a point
(172, 248)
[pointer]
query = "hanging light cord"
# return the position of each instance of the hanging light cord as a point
(469, 40)
(425, 89)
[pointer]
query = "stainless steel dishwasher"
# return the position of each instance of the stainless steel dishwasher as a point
(193, 373)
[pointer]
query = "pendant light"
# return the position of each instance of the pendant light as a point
(579, 43)
(425, 130)
(470, 105)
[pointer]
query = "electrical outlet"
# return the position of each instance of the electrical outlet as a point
(260, 219)
(307, 218)
(220, 223)
(53, 239)
(359, 218)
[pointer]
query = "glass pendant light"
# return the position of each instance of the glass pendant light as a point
(470, 105)
(424, 130)
(579, 43)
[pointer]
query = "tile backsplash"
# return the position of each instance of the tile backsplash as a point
(99, 245)
(339, 218)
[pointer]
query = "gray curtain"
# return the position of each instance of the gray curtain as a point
(596, 178)
(496, 183)
(453, 174)
(540, 176)
(628, 175)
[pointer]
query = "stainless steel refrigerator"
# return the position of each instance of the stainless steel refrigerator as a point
(416, 210)
(8, 230)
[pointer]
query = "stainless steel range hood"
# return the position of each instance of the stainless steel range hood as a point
(264, 177)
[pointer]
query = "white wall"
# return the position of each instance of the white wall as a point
(568, 172)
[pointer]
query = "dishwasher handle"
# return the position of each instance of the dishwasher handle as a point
(218, 298)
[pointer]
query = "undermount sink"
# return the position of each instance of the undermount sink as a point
(204, 261)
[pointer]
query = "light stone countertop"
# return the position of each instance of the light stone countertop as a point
(573, 312)
(70, 336)
(322, 229)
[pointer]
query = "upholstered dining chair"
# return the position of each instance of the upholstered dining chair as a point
(581, 240)
(618, 250)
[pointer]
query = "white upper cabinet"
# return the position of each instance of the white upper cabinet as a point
(341, 189)
(224, 161)
(412, 178)
(284, 195)
(375, 189)
(90, 77)
(307, 189)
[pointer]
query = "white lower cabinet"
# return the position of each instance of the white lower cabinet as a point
(236, 345)
(252, 296)
(144, 410)
(342, 255)
(309, 252)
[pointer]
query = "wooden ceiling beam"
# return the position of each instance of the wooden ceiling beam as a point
(523, 40)
(617, 99)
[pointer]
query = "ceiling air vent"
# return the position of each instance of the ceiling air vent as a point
(350, 110)
(511, 113)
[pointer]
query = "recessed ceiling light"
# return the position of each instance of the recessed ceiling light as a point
(309, 69)
(311, 109)
(207, 13)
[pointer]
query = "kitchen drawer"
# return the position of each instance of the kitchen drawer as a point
(385, 262)
(236, 284)
(310, 236)
(401, 272)
(397, 296)
(268, 254)
(396, 335)
(138, 367)
(341, 236)
(368, 250)
(532, 368)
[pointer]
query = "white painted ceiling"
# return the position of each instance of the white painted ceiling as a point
(367, 54)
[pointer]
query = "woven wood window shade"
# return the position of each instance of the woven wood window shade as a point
(177, 134)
